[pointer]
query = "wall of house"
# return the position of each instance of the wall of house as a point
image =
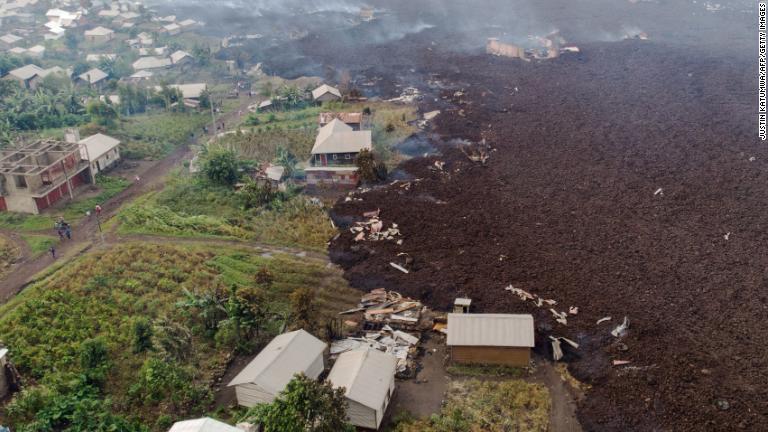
(509, 356)
(505, 50)
(249, 395)
(328, 97)
(316, 368)
(21, 204)
(3, 379)
(333, 178)
(105, 161)
(360, 415)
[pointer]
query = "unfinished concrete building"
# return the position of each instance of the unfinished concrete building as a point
(36, 176)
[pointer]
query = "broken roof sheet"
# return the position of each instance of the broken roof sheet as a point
(365, 374)
(286, 355)
(500, 330)
(338, 137)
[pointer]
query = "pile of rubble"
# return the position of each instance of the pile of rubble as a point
(391, 323)
(373, 229)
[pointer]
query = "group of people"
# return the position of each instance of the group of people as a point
(64, 229)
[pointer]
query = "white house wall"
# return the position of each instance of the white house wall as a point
(249, 395)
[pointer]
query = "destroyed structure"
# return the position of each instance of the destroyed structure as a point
(36, 176)
(540, 48)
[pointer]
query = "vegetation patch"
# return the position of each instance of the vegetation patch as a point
(480, 370)
(156, 134)
(39, 244)
(194, 207)
(8, 254)
(488, 406)
(141, 331)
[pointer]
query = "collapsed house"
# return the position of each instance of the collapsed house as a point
(368, 379)
(501, 339)
(539, 48)
(285, 356)
(36, 176)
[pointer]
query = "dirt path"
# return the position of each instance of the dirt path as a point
(562, 416)
(86, 232)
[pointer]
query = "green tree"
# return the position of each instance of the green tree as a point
(369, 169)
(142, 335)
(286, 159)
(256, 194)
(303, 309)
(101, 113)
(305, 405)
(221, 167)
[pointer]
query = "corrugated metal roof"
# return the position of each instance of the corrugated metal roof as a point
(26, 72)
(93, 76)
(285, 356)
(501, 330)
(99, 31)
(365, 374)
(204, 424)
(323, 89)
(338, 137)
(97, 145)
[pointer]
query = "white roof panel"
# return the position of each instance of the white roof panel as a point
(323, 89)
(204, 424)
(499, 330)
(365, 374)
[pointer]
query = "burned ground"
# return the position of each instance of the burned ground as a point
(567, 208)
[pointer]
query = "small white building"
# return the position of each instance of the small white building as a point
(368, 377)
(205, 424)
(285, 356)
(145, 63)
(101, 152)
(171, 29)
(180, 57)
(326, 93)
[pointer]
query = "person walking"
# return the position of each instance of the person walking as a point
(68, 231)
(52, 250)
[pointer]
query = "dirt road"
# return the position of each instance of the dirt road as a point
(86, 232)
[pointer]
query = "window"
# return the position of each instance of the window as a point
(335, 156)
(21, 182)
(347, 156)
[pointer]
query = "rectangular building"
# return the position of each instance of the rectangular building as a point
(36, 176)
(501, 339)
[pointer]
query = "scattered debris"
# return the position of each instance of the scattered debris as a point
(602, 320)
(477, 153)
(399, 267)
(621, 362)
(557, 351)
(373, 228)
(573, 310)
(621, 328)
(727, 236)
(659, 191)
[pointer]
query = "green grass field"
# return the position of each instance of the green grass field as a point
(156, 134)
(102, 296)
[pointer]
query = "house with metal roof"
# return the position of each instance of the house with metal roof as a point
(9, 40)
(368, 379)
(99, 35)
(101, 151)
(286, 355)
(503, 339)
(205, 424)
(180, 57)
(94, 77)
(326, 93)
(151, 62)
(334, 153)
(27, 76)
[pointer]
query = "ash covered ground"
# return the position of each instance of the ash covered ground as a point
(567, 206)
